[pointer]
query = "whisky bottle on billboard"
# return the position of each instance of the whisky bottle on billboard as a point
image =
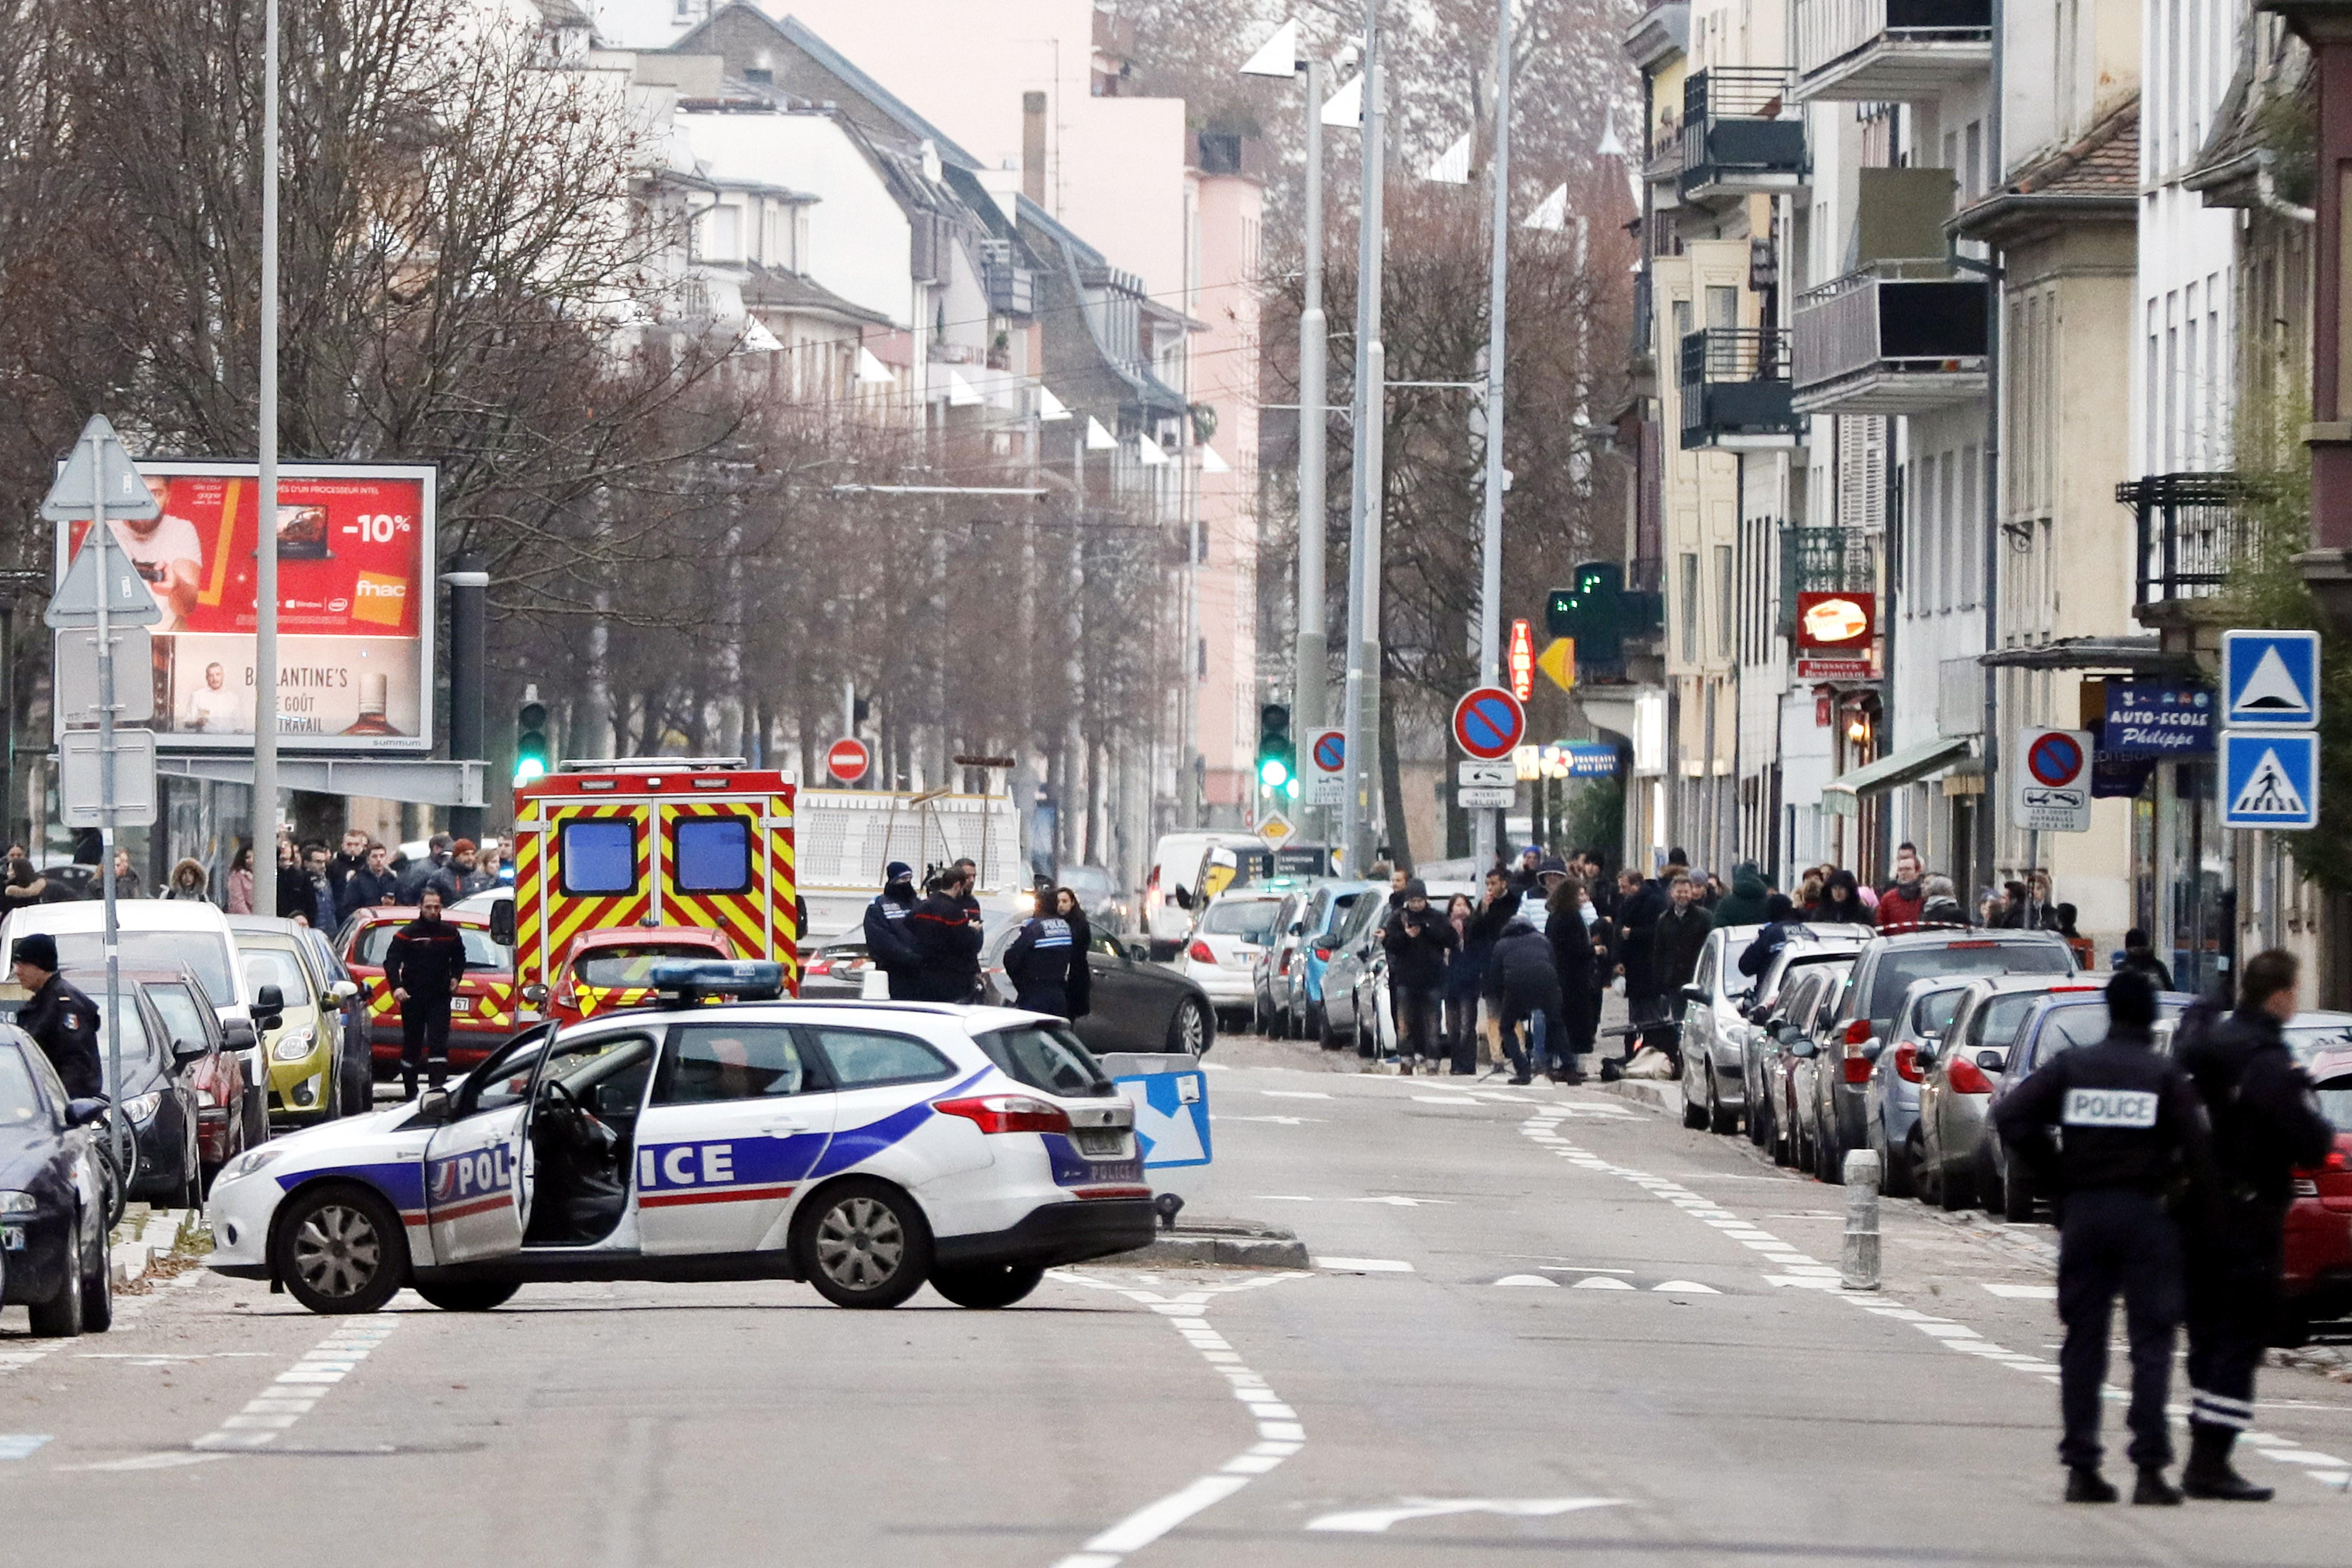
(375, 698)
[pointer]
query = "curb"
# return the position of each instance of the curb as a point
(1234, 1244)
(131, 1259)
(1658, 1093)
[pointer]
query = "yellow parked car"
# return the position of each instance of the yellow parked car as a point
(301, 1050)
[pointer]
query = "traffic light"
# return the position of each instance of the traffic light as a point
(531, 755)
(1277, 760)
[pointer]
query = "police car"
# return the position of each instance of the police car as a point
(863, 1147)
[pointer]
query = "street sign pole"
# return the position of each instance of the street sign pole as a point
(265, 561)
(1485, 825)
(96, 542)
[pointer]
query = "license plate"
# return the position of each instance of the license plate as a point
(1101, 1145)
(1119, 1171)
(461, 1004)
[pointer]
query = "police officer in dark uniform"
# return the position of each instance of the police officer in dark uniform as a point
(2131, 1123)
(887, 942)
(2266, 1123)
(422, 968)
(62, 1021)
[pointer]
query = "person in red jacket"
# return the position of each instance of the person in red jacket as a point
(1900, 902)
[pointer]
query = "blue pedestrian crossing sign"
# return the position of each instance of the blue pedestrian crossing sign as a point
(2270, 679)
(2270, 778)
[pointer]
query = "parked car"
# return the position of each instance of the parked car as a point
(52, 1196)
(1774, 988)
(1717, 1026)
(837, 972)
(356, 1062)
(2057, 1023)
(612, 968)
(1134, 1005)
(1224, 945)
(1891, 1103)
(1786, 1040)
(482, 1014)
(1169, 897)
(157, 1091)
(1884, 972)
(2317, 1285)
(1270, 973)
(1960, 1073)
(1348, 952)
(302, 964)
(1098, 896)
(218, 1074)
(1328, 913)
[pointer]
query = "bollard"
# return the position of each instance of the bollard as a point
(1858, 1261)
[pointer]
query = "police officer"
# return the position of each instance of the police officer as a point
(1048, 962)
(2266, 1123)
(886, 940)
(2131, 1121)
(62, 1021)
(422, 967)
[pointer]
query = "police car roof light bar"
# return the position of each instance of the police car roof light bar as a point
(688, 983)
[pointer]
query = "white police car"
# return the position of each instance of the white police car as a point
(863, 1147)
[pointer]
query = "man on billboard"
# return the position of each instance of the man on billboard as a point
(169, 556)
(213, 707)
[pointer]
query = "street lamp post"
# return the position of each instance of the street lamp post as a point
(1362, 721)
(1490, 594)
(264, 569)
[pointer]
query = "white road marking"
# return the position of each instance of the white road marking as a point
(1537, 1280)
(1280, 1433)
(1277, 1120)
(1294, 1094)
(1573, 1268)
(1686, 1287)
(1602, 1282)
(1282, 1198)
(1446, 1099)
(1373, 1520)
(11, 1360)
(1403, 1203)
(21, 1445)
(2024, 1292)
(297, 1391)
(1365, 1265)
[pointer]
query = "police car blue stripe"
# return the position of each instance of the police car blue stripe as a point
(853, 1145)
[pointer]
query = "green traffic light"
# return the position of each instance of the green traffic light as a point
(1274, 772)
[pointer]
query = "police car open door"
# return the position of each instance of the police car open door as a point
(476, 1199)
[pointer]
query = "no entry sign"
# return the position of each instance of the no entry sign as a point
(847, 759)
(1488, 721)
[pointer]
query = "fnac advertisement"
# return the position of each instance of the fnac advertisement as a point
(355, 604)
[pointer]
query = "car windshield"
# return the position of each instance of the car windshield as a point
(278, 966)
(1048, 1059)
(631, 965)
(2002, 1015)
(2310, 1037)
(19, 1101)
(179, 1011)
(1897, 970)
(137, 1049)
(2083, 1024)
(1252, 920)
(481, 952)
(207, 952)
(2335, 1100)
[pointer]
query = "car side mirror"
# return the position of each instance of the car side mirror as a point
(502, 922)
(83, 1112)
(239, 1035)
(1800, 1046)
(1992, 1061)
(1183, 899)
(269, 999)
(1134, 949)
(1925, 1055)
(1873, 1050)
(433, 1108)
(343, 990)
(186, 1051)
(1695, 995)
(535, 994)
(1298, 928)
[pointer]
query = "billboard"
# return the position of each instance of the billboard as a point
(355, 612)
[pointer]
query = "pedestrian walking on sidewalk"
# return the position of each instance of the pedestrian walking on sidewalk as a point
(2266, 1123)
(2131, 1127)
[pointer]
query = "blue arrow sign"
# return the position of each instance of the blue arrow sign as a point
(2270, 679)
(2270, 778)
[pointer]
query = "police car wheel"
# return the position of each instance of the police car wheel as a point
(472, 1296)
(864, 1243)
(987, 1285)
(340, 1249)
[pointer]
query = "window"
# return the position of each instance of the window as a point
(722, 235)
(182, 1014)
(1048, 1059)
(1973, 176)
(1690, 606)
(865, 1058)
(714, 854)
(506, 1078)
(1725, 586)
(744, 1061)
(1722, 306)
(277, 966)
(599, 855)
(481, 952)
(629, 966)
(1252, 920)
(20, 1102)
(137, 1048)
(1966, 527)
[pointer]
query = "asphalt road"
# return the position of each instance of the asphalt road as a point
(1544, 1322)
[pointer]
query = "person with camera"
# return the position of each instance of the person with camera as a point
(1417, 939)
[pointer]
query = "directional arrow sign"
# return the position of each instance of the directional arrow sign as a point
(1558, 661)
(128, 602)
(100, 470)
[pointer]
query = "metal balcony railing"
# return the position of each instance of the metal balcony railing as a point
(1860, 47)
(1735, 389)
(1734, 141)
(1895, 337)
(2189, 532)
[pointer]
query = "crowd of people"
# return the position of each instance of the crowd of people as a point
(317, 886)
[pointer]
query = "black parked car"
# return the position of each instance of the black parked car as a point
(159, 1089)
(52, 1195)
(1137, 1004)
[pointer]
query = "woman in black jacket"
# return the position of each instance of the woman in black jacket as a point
(1573, 960)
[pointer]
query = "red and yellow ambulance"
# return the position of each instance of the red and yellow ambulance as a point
(652, 845)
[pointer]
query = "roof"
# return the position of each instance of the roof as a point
(2095, 177)
(778, 290)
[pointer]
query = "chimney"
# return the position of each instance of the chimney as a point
(1033, 146)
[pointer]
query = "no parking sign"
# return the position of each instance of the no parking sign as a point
(2053, 781)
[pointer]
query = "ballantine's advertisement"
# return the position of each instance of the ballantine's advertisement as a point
(355, 604)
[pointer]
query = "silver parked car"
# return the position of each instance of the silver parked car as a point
(1787, 1046)
(1960, 1073)
(1270, 974)
(1774, 987)
(1891, 1103)
(2056, 1024)
(1718, 1016)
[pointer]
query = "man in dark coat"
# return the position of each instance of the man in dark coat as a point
(1465, 976)
(1744, 905)
(2265, 1124)
(1417, 940)
(375, 883)
(1522, 987)
(946, 944)
(887, 941)
(1681, 932)
(62, 1021)
(422, 968)
(1573, 960)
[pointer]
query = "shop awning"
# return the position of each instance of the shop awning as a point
(2132, 655)
(1896, 768)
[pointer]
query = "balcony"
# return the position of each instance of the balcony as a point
(2190, 533)
(1734, 140)
(1897, 337)
(1736, 394)
(1890, 50)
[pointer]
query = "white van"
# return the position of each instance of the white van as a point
(160, 933)
(1169, 898)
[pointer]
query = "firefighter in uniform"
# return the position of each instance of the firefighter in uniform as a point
(2266, 1123)
(422, 968)
(62, 1021)
(2131, 1125)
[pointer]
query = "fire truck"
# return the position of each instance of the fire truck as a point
(648, 843)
